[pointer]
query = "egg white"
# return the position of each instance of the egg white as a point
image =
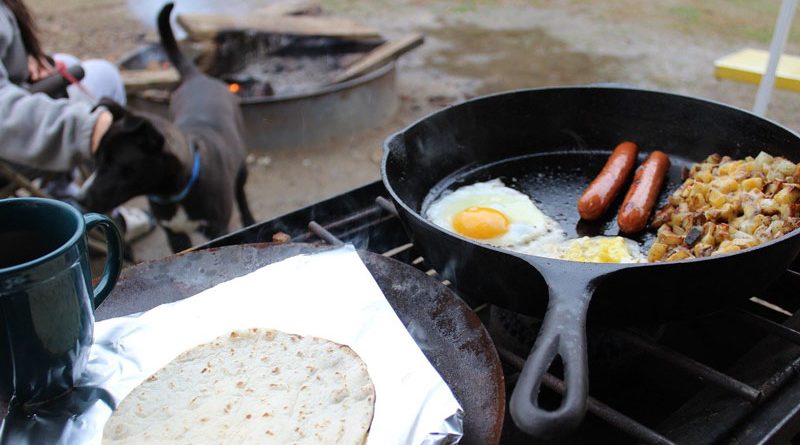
(526, 222)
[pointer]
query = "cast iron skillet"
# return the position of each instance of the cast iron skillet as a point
(549, 143)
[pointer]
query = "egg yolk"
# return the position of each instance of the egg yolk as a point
(480, 223)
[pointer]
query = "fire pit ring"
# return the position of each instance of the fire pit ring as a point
(300, 119)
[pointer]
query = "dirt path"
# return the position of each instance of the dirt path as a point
(473, 48)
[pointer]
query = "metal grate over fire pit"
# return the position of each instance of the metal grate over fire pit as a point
(287, 84)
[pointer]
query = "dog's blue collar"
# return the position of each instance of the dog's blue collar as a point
(178, 197)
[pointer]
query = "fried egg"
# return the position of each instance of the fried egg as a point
(492, 213)
(595, 249)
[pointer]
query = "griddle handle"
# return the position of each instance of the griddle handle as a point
(563, 333)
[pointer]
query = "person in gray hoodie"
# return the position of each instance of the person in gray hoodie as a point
(39, 133)
(36, 131)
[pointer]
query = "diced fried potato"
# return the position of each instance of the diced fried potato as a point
(728, 247)
(760, 221)
(696, 201)
(727, 168)
(785, 211)
(784, 166)
(726, 185)
(657, 252)
(704, 176)
(727, 212)
(738, 203)
(716, 199)
(769, 207)
(749, 208)
(763, 158)
(722, 233)
(663, 216)
(745, 225)
(701, 250)
(788, 194)
(680, 254)
(752, 183)
(699, 188)
(708, 234)
(671, 239)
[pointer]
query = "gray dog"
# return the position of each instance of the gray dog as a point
(192, 168)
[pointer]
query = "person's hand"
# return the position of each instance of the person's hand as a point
(38, 69)
(101, 125)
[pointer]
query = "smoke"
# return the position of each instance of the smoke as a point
(146, 11)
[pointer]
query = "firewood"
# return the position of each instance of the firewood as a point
(140, 80)
(291, 7)
(381, 55)
(206, 27)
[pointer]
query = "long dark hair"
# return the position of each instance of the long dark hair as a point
(27, 27)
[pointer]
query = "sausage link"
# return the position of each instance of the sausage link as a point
(602, 191)
(641, 197)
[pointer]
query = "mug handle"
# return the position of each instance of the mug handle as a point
(114, 258)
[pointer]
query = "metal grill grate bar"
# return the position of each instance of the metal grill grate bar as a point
(781, 377)
(387, 205)
(770, 326)
(693, 367)
(597, 408)
(399, 249)
(323, 233)
(358, 216)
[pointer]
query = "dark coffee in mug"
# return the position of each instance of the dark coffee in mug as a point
(21, 246)
(46, 296)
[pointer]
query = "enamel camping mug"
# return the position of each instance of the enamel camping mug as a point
(46, 296)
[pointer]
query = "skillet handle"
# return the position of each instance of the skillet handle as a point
(563, 333)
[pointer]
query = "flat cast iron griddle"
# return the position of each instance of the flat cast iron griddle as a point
(449, 334)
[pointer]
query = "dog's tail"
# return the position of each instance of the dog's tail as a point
(184, 66)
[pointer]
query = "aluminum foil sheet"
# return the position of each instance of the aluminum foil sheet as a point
(329, 295)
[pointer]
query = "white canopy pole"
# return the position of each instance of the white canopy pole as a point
(779, 37)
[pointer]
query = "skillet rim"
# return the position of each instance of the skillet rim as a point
(537, 260)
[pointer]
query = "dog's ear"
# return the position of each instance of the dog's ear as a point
(117, 110)
(148, 136)
(135, 131)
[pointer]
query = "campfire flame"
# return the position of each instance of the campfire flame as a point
(234, 88)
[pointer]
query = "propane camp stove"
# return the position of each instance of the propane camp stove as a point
(729, 377)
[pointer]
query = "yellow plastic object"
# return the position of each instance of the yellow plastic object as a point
(748, 65)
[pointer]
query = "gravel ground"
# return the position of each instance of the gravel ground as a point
(471, 48)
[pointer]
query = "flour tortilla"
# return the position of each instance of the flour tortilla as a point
(255, 386)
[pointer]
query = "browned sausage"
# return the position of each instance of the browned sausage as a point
(641, 197)
(598, 196)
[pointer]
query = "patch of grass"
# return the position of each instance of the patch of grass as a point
(758, 6)
(463, 7)
(686, 12)
(761, 35)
